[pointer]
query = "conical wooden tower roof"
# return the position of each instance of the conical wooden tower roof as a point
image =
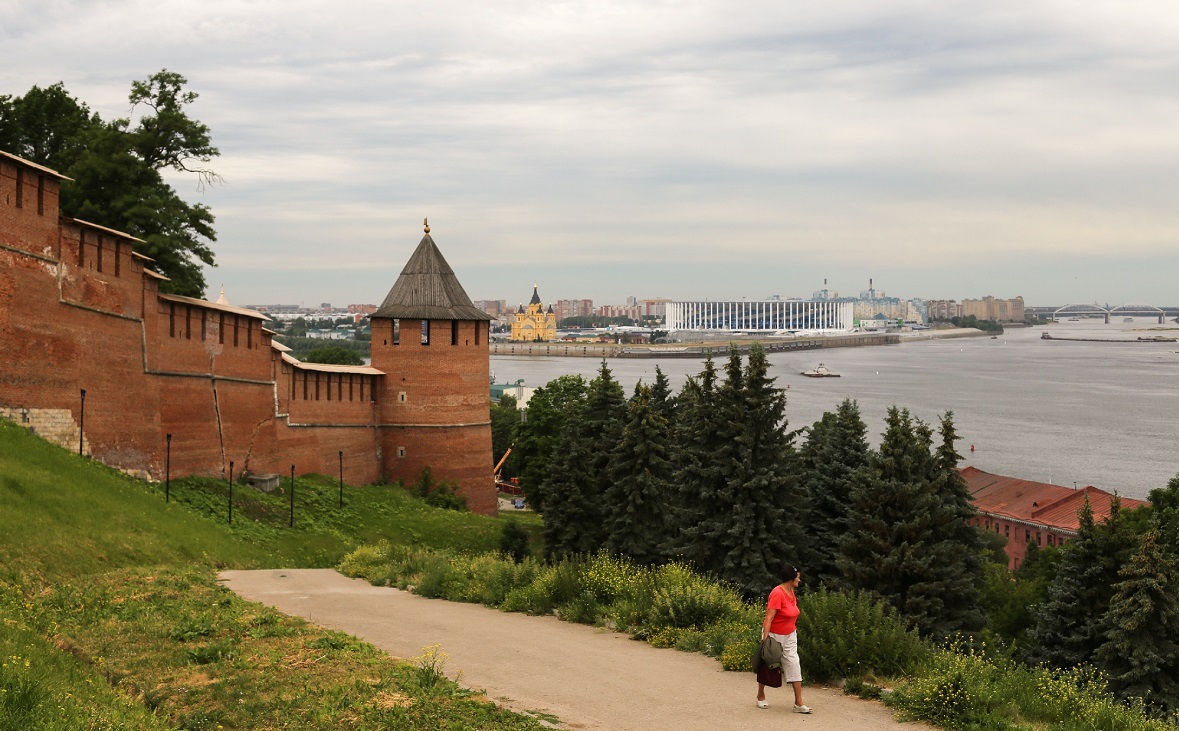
(428, 290)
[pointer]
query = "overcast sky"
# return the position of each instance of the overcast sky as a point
(688, 150)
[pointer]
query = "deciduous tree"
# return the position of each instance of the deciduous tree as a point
(549, 409)
(116, 167)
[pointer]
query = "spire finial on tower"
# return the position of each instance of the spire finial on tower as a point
(426, 223)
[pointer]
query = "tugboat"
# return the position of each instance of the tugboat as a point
(821, 372)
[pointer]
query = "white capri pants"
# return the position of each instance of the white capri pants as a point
(791, 668)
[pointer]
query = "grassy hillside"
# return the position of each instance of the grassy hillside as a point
(65, 516)
(112, 617)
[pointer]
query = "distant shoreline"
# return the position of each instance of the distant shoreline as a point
(720, 347)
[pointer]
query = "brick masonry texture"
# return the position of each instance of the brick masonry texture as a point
(79, 310)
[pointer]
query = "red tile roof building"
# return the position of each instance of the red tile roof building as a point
(1023, 511)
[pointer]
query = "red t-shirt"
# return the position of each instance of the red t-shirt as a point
(786, 618)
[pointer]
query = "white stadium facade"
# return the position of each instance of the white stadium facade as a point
(761, 316)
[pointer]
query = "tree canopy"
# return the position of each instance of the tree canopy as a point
(116, 168)
(335, 355)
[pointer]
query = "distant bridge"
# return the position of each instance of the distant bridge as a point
(1083, 310)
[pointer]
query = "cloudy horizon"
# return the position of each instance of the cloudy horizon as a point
(688, 150)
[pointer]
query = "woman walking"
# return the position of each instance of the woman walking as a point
(779, 624)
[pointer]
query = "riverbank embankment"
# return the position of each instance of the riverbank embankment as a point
(719, 347)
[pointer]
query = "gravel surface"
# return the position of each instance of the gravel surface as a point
(589, 678)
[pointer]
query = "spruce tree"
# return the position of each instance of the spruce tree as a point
(836, 448)
(662, 399)
(575, 487)
(698, 450)
(1164, 503)
(636, 500)
(900, 542)
(1066, 631)
(602, 420)
(959, 544)
(749, 526)
(1140, 654)
(573, 514)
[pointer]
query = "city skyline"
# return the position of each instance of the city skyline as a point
(702, 150)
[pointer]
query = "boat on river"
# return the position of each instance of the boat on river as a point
(821, 372)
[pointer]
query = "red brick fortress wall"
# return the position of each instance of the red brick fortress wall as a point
(80, 310)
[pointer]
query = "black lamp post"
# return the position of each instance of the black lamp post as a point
(168, 469)
(231, 492)
(81, 422)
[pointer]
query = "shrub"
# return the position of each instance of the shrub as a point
(513, 541)
(683, 598)
(493, 578)
(368, 562)
(442, 494)
(849, 635)
(737, 656)
(963, 688)
(607, 577)
(584, 609)
(441, 579)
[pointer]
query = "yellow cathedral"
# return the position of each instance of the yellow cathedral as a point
(535, 323)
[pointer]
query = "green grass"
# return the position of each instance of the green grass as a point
(111, 618)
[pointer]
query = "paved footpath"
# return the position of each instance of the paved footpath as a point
(588, 677)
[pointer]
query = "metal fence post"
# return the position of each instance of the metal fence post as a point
(341, 478)
(291, 524)
(81, 422)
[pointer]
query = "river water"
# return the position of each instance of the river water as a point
(1103, 414)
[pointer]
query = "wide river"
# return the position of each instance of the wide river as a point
(1103, 414)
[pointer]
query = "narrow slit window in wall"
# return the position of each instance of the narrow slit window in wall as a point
(329, 386)
(40, 195)
(349, 387)
(235, 330)
(221, 328)
(118, 257)
(454, 332)
(204, 324)
(340, 388)
(81, 248)
(249, 334)
(401, 451)
(316, 386)
(20, 188)
(98, 257)
(478, 327)
(304, 385)
(425, 332)
(362, 381)
(293, 374)
(396, 332)
(171, 319)
(187, 314)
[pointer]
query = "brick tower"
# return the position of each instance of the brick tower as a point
(430, 341)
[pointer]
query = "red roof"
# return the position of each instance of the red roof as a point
(1053, 506)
